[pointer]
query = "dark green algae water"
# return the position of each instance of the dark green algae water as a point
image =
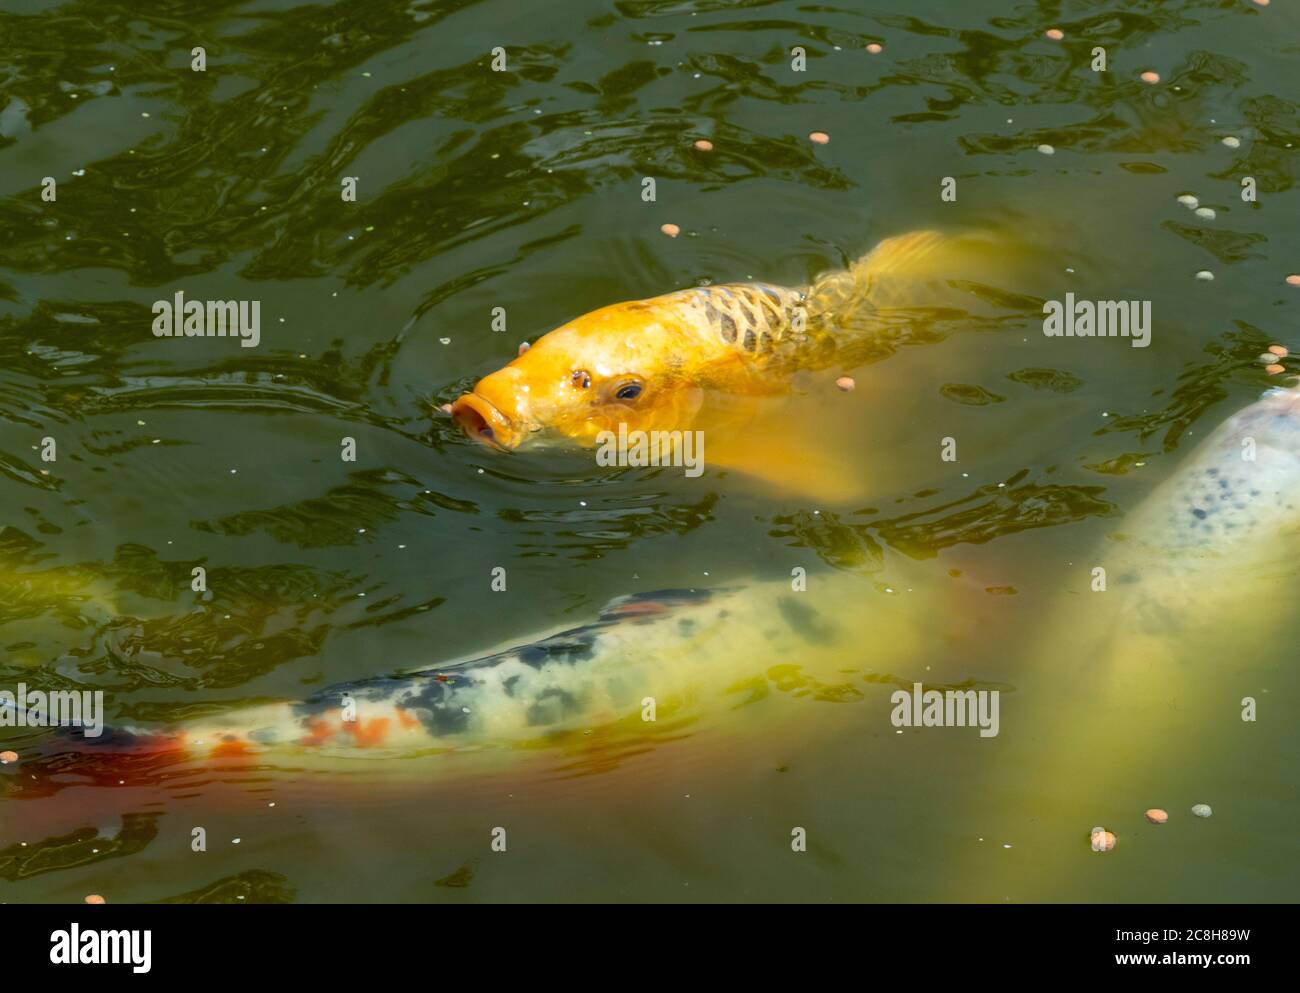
(521, 189)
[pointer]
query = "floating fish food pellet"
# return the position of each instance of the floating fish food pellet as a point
(1293, 280)
(7, 757)
(1150, 77)
(874, 49)
(1202, 810)
(846, 383)
(671, 230)
(1187, 200)
(1205, 212)
(1279, 350)
(1102, 840)
(445, 408)
(1205, 274)
(1272, 370)
(1047, 149)
(95, 898)
(1056, 34)
(819, 137)
(1232, 142)
(523, 347)
(704, 145)
(1157, 816)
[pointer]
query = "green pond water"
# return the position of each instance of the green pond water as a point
(522, 190)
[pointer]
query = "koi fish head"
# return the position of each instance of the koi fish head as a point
(614, 366)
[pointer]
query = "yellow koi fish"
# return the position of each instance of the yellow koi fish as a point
(679, 362)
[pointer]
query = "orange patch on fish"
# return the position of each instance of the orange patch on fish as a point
(639, 607)
(372, 732)
(318, 732)
(231, 749)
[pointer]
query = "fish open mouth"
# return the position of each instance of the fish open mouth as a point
(483, 422)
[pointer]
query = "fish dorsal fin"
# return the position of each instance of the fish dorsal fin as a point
(902, 255)
(879, 276)
(655, 603)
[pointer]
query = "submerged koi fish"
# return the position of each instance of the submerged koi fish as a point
(648, 364)
(686, 649)
(1166, 654)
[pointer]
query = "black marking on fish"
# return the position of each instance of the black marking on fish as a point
(748, 315)
(438, 711)
(767, 341)
(804, 621)
(728, 329)
(711, 312)
(552, 706)
(750, 340)
(433, 702)
(436, 697)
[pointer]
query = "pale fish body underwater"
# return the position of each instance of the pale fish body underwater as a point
(1183, 633)
(686, 654)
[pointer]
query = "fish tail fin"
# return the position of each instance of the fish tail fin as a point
(876, 276)
(82, 799)
(68, 756)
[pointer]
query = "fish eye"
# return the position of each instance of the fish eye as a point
(582, 379)
(629, 391)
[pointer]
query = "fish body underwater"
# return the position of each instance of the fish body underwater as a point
(1180, 635)
(649, 663)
